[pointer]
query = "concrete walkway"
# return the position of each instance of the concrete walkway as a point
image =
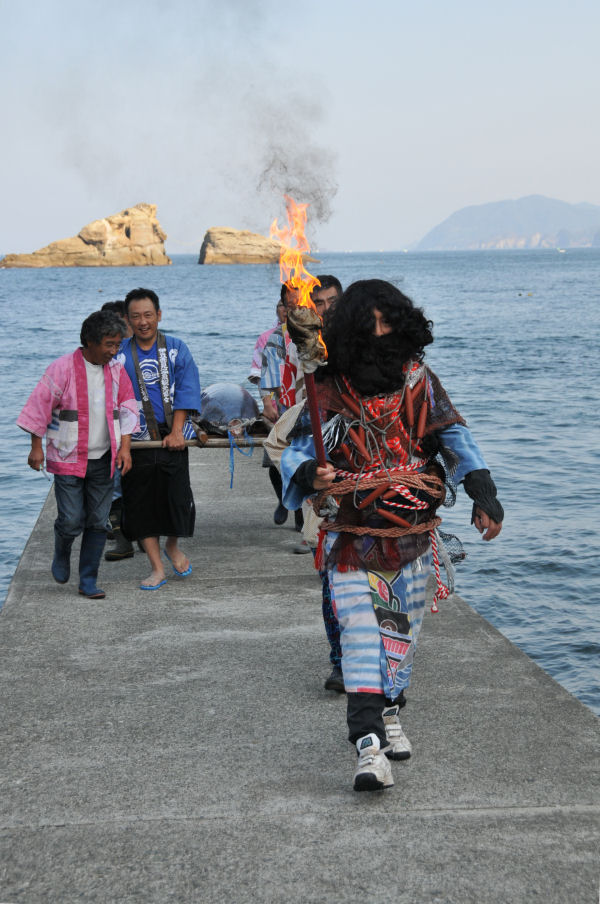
(178, 746)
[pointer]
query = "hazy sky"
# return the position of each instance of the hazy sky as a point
(386, 115)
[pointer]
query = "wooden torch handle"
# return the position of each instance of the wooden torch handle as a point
(315, 420)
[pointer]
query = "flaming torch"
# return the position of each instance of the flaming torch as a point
(304, 324)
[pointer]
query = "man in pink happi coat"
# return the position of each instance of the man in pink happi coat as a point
(86, 408)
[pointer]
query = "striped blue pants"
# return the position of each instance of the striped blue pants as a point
(364, 663)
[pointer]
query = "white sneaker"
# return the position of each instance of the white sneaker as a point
(399, 747)
(373, 772)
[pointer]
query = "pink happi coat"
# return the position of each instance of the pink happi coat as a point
(58, 409)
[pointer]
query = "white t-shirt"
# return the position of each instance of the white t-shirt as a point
(99, 437)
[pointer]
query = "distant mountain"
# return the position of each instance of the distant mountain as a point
(531, 222)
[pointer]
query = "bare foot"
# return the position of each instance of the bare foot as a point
(178, 559)
(154, 580)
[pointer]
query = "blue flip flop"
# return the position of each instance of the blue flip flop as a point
(182, 574)
(153, 586)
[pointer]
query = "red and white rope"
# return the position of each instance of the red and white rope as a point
(441, 591)
(379, 472)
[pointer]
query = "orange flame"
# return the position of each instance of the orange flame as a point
(291, 264)
(303, 321)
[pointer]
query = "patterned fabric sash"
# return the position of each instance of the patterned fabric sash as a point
(287, 373)
(163, 371)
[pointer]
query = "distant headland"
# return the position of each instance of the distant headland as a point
(531, 222)
(131, 238)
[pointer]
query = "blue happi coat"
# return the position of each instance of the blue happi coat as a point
(184, 382)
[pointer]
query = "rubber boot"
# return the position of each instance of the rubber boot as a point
(92, 545)
(114, 515)
(61, 563)
(281, 513)
(123, 548)
(114, 519)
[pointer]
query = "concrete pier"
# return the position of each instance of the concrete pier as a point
(179, 746)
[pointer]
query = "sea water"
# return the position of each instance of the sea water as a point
(516, 345)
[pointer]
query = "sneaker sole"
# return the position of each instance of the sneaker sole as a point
(391, 755)
(366, 781)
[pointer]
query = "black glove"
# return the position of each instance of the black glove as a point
(304, 477)
(482, 490)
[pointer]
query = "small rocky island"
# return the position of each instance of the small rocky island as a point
(223, 245)
(131, 238)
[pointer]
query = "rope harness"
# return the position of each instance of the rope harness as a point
(390, 488)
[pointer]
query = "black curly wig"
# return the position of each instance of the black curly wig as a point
(374, 363)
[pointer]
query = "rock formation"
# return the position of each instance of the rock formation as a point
(132, 238)
(223, 245)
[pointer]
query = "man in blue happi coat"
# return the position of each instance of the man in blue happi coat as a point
(157, 496)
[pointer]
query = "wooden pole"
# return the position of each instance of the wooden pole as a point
(315, 419)
(212, 442)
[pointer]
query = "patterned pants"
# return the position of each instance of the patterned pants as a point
(376, 659)
(332, 627)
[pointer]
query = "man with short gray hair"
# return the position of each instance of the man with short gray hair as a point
(85, 407)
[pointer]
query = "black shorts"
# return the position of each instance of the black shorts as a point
(157, 496)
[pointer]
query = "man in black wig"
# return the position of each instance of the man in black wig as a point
(396, 449)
